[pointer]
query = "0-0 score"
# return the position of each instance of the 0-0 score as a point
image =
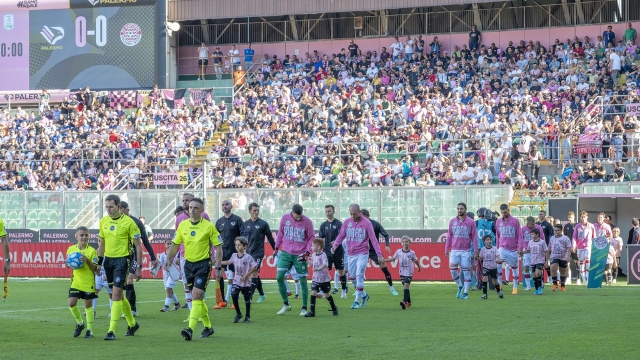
(100, 31)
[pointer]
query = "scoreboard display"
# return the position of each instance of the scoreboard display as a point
(54, 44)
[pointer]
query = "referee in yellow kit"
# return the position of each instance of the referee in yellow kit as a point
(117, 238)
(198, 235)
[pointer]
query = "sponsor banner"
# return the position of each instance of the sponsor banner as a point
(633, 259)
(65, 236)
(599, 251)
(161, 235)
(22, 236)
(26, 5)
(180, 178)
(633, 109)
(32, 97)
(76, 4)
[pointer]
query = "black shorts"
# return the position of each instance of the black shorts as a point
(336, 259)
(492, 273)
(537, 267)
(608, 267)
(236, 290)
(374, 258)
(132, 265)
(325, 287)
(258, 259)
(203, 62)
(75, 293)
(574, 256)
(198, 273)
(561, 263)
(406, 279)
(117, 270)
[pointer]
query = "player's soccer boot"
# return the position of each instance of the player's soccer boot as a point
(514, 292)
(88, 334)
(364, 300)
(289, 293)
(220, 305)
(303, 312)
(614, 281)
(110, 336)
(134, 312)
(237, 318)
(284, 309)
(484, 297)
(344, 294)
(165, 309)
(563, 289)
(555, 287)
(206, 333)
(505, 282)
(578, 282)
(540, 291)
(187, 334)
(79, 328)
(132, 330)
(393, 291)
(176, 307)
(261, 298)
(334, 291)
(464, 296)
(310, 314)
(185, 306)
(403, 305)
(335, 312)
(297, 296)
(459, 292)
(355, 305)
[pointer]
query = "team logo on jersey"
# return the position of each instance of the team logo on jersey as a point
(233, 223)
(112, 228)
(334, 226)
(350, 224)
(288, 222)
(193, 233)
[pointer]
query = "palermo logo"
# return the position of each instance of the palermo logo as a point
(94, 2)
(52, 35)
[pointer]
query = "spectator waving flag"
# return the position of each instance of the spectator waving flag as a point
(199, 96)
(174, 98)
(127, 99)
(102, 97)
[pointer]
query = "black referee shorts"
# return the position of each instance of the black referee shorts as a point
(117, 270)
(133, 264)
(79, 294)
(336, 259)
(198, 273)
(258, 258)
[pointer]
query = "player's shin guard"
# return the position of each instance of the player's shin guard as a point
(336, 279)
(247, 305)
(387, 275)
(499, 273)
(467, 280)
(331, 302)
(527, 279)
(254, 285)
(484, 287)
(116, 310)
(587, 264)
(455, 275)
(131, 296)
(582, 271)
(615, 274)
(282, 288)
(89, 315)
(188, 298)
(235, 297)
(126, 310)
(94, 302)
(514, 272)
(535, 282)
(305, 290)
(313, 304)
(194, 314)
(228, 292)
(174, 298)
(259, 287)
(407, 296)
(507, 268)
(76, 314)
(221, 284)
(562, 280)
(343, 281)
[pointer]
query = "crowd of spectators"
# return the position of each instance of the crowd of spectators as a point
(403, 115)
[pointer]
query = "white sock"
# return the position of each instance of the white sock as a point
(94, 302)
(515, 277)
(336, 279)
(110, 303)
(297, 287)
(174, 298)
(167, 302)
(391, 288)
(467, 281)
(506, 272)
(568, 275)
(359, 295)
(499, 274)
(227, 293)
(455, 275)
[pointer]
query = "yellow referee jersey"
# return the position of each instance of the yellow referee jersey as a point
(3, 231)
(197, 239)
(118, 235)
(84, 279)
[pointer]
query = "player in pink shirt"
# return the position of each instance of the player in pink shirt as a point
(357, 231)
(321, 280)
(490, 259)
(180, 217)
(601, 228)
(244, 266)
(616, 243)
(406, 258)
(559, 254)
(508, 241)
(295, 236)
(525, 231)
(459, 248)
(539, 258)
(583, 233)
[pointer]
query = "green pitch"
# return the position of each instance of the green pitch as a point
(579, 324)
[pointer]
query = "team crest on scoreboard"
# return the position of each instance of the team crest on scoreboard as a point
(130, 34)
(9, 23)
(94, 2)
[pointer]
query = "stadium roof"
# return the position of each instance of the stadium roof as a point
(222, 9)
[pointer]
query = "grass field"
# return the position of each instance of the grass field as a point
(579, 324)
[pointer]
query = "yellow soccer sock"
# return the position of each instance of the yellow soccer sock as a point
(89, 315)
(126, 310)
(196, 310)
(204, 315)
(76, 314)
(116, 310)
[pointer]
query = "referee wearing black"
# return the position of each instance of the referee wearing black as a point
(329, 231)
(379, 230)
(257, 230)
(230, 226)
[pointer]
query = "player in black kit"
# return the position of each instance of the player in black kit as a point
(329, 231)
(379, 230)
(230, 226)
(257, 229)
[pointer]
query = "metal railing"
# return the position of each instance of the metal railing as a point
(433, 22)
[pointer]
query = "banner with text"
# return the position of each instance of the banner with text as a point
(633, 109)
(180, 178)
(633, 258)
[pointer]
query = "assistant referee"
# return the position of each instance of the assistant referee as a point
(198, 235)
(117, 237)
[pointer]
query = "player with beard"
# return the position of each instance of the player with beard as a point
(379, 230)
(257, 230)
(230, 226)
